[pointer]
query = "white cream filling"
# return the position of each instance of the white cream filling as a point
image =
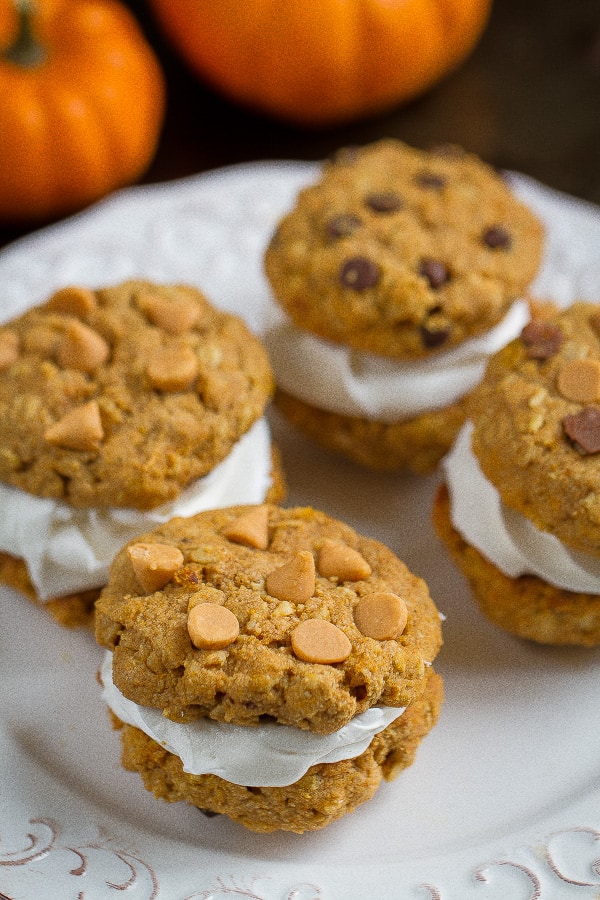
(67, 549)
(336, 378)
(268, 755)
(505, 537)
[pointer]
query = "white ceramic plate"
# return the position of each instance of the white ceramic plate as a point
(503, 801)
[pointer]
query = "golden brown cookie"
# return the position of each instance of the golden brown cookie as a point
(325, 793)
(527, 606)
(293, 579)
(401, 252)
(77, 610)
(413, 445)
(399, 271)
(124, 395)
(537, 425)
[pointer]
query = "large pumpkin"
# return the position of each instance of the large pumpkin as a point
(321, 62)
(81, 104)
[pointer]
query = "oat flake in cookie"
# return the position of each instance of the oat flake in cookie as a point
(399, 273)
(268, 625)
(121, 407)
(527, 531)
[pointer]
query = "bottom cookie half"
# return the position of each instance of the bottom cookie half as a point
(525, 606)
(413, 445)
(325, 793)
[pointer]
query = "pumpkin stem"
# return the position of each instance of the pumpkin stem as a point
(25, 50)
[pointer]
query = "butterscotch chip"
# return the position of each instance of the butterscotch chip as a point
(337, 560)
(381, 615)
(9, 349)
(79, 429)
(212, 627)
(73, 301)
(319, 641)
(82, 348)
(175, 316)
(295, 580)
(173, 370)
(579, 380)
(154, 564)
(251, 529)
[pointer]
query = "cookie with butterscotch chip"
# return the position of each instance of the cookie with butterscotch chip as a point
(126, 400)
(269, 664)
(315, 627)
(119, 408)
(520, 512)
(398, 273)
(537, 425)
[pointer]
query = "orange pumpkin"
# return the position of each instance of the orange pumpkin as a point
(81, 104)
(326, 62)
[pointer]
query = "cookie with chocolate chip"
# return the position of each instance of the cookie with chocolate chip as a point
(125, 397)
(263, 611)
(398, 251)
(400, 254)
(268, 621)
(535, 421)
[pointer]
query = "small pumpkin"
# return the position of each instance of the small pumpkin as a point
(82, 101)
(322, 63)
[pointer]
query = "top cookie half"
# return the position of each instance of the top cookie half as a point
(122, 396)
(247, 612)
(403, 252)
(536, 421)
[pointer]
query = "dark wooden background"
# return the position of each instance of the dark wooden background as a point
(528, 99)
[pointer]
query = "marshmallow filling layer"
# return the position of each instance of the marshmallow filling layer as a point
(68, 550)
(505, 537)
(268, 755)
(339, 379)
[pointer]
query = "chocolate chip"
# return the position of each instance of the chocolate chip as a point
(594, 321)
(359, 273)
(384, 202)
(430, 180)
(433, 337)
(496, 238)
(435, 272)
(583, 428)
(542, 339)
(343, 225)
